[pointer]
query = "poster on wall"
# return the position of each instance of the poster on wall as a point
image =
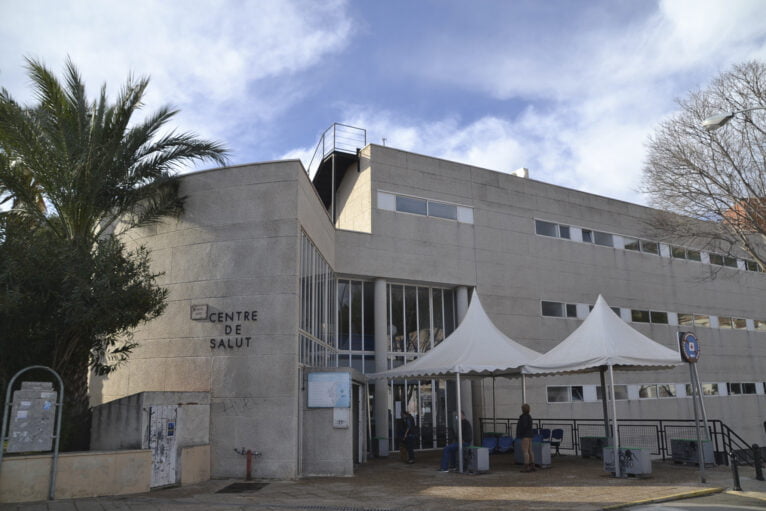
(329, 390)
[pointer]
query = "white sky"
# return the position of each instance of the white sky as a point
(569, 89)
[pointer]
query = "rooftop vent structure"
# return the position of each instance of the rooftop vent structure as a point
(522, 172)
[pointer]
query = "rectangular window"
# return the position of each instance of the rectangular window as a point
(411, 205)
(558, 394)
(620, 392)
(685, 319)
(678, 252)
(751, 266)
(545, 228)
(716, 259)
(571, 310)
(603, 239)
(708, 389)
(739, 323)
(760, 325)
(647, 392)
(441, 210)
(587, 236)
(724, 322)
(616, 310)
(577, 393)
(639, 316)
(564, 232)
(632, 244)
(731, 262)
(650, 247)
(553, 309)
(659, 317)
(693, 255)
(666, 390)
(701, 320)
(740, 388)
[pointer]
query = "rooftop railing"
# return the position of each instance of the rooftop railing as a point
(337, 138)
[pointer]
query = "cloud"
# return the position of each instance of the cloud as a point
(224, 64)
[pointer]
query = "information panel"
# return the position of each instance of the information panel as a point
(329, 390)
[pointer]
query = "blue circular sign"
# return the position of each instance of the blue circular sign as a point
(690, 347)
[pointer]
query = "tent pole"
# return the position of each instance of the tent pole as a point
(614, 426)
(523, 388)
(459, 426)
(494, 409)
(604, 396)
(700, 452)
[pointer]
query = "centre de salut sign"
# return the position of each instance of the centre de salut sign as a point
(231, 326)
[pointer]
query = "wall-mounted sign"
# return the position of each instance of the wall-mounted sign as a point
(329, 390)
(198, 312)
(689, 345)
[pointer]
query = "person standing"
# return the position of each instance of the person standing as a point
(449, 454)
(409, 436)
(525, 431)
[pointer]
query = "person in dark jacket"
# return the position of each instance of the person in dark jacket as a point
(449, 454)
(525, 431)
(409, 436)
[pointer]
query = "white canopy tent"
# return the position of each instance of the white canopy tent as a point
(604, 340)
(476, 348)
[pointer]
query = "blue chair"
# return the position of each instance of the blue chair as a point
(504, 444)
(556, 436)
(490, 442)
(545, 435)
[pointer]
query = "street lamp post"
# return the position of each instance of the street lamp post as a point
(718, 120)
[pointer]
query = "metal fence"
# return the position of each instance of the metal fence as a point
(651, 434)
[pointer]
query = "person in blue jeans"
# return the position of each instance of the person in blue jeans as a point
(449, 454)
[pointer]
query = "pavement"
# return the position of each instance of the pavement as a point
(387, 484)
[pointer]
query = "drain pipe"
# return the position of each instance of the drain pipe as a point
(249, 456)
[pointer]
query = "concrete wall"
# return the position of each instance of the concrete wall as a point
(195, 464)
(86, 474)
(354, 197)
(124, 423)
(328, 450)
(514, 269)
(234, 250)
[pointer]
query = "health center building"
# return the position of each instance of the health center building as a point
(288, 287)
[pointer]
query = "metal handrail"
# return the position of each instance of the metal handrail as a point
(339, 137)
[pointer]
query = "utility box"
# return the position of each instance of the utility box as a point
(540, 450)
(592, 446)
(684, 450)
(478, 459)
(633, 461)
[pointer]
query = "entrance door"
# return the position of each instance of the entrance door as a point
(162, 442)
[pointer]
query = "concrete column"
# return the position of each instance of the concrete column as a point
(381, 358)
(466, 385)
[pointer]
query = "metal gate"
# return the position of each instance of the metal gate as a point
(162, 442)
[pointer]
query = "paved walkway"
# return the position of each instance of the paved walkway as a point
(387, 484)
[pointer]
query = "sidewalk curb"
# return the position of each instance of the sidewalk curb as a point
(677, 496)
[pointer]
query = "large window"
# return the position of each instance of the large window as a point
(317, 308)
(356, 325)
(425, 207)
(419, 318)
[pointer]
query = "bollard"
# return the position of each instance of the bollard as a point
(757, 462)
(248, 453)
(734, 471)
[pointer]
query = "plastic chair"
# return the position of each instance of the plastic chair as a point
(556, 436)
(490, 442)
(545, 435)
(504, 444)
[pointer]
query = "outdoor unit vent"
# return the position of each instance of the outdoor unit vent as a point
(522, 172)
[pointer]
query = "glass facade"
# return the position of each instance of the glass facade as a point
(318, 346)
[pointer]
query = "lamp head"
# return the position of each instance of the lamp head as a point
(716, 121)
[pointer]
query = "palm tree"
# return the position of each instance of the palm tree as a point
(83, 172)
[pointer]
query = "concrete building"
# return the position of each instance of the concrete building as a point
(275, 275)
